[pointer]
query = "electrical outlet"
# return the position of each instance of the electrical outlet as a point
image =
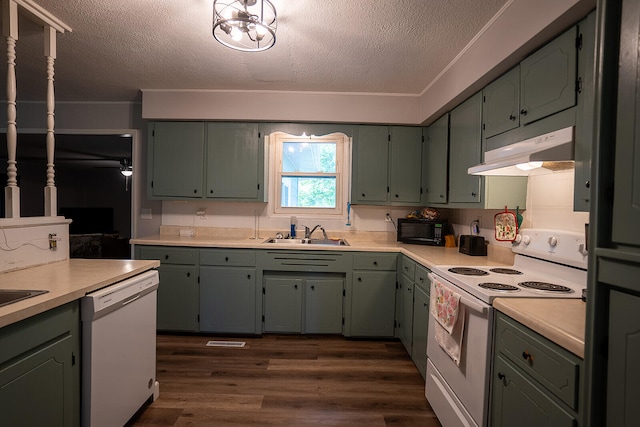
(387, 218)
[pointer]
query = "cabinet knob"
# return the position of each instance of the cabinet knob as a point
(313, 287)
(442, 196)
(424, 304)
(363, 195)
(210, 191)
(397, 196)
(226, 259)
(523, 112)
(527, 356)
(295, 286)
(188, 274)
(512, 117)
(166, 257)
(587, 184)
(195, 191)
(248, 276)
(375, 263)
(474, 194)
(501, 375)
(359, 279)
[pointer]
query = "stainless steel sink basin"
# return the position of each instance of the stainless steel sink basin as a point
(324, 242)
(8, 296)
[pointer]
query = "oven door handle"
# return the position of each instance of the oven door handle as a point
(463, 300)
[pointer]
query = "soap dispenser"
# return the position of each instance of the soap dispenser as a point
(294, 223)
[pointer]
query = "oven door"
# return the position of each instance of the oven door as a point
(460, 394)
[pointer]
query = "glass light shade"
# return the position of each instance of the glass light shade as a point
(245, 25)
(529, 166)
(126, 172)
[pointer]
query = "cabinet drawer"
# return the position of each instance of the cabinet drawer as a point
(375, 261)
(227, 257)
(555, 368)
(421, 278)
(408, 267)
(169, 255)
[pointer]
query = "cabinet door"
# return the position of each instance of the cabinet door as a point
(501, 104)
(518, 402)
(323, 306)
(548, 79)
(177, 167)
(626, 200)
(228, 300)
(282, 304)
(435, 152)
(623, 370)
(233, 160)
(420, 325)
(373, 303)
(465, 148)
(406, 318)
(405, 164)
(35, 391)
(370, 175)
(178, 298)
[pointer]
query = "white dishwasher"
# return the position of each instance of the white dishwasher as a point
(119, 350)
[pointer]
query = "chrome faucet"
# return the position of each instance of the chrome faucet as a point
(307, 233)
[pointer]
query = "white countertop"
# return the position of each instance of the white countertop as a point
(65, 281)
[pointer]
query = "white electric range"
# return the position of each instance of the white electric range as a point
(548, 264)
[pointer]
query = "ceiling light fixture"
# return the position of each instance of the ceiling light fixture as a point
(245, 25)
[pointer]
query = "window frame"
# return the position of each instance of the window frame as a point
(342, 174)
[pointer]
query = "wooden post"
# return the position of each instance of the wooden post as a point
(10, 31)
(50, 191)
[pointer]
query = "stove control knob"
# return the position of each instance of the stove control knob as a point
(553, 241)
(518, 239)
(526, 239)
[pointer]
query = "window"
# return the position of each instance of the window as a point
(309, 174)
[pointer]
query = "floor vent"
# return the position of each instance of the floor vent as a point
(225, 344)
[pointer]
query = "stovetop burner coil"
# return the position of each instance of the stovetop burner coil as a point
(505, 271)
(500, 287)
(544, 286)
(467, 271)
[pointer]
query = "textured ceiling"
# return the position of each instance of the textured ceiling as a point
(118, 47)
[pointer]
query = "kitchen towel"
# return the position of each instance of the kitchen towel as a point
(449, 314)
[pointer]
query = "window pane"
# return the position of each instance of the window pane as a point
(309, 157)
(308, 192)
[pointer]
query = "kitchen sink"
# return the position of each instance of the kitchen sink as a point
(8, 296)
(323, 242)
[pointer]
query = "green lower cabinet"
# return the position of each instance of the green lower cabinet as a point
(373, 303)
(517, 401)
(298, 304)
(40, 370)
(420, 325)
(323, 306)
(178, 298)
(228, 300)
(535, 382)
(405, 295)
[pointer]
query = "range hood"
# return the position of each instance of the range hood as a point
(554, 150)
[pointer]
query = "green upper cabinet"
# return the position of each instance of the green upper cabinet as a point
(176, 167)
(465, 146)
(234, 166)
(386, 165)
(501, 104)
(548, 79)
(406, 163)
(370, 174)
(435, 151)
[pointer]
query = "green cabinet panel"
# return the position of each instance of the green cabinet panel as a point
(323, 305)
(176, 151)
(501, 104)
(532, 376)
(40, 370)
(375, 261)
(548, 79)
(405, 323)
(373, 303)
(405, 164)
(517, 401)
(178, 289)
(435, 152)
(178, 298)
(465, 147)
(228, 257)
(228, 299)
(420, 327)
(234, 165)
(626, 198)
(370, 172)
(283, 304)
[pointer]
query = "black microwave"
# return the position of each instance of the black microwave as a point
(422, 231)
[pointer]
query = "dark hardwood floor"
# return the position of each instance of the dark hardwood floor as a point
(285, 380)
